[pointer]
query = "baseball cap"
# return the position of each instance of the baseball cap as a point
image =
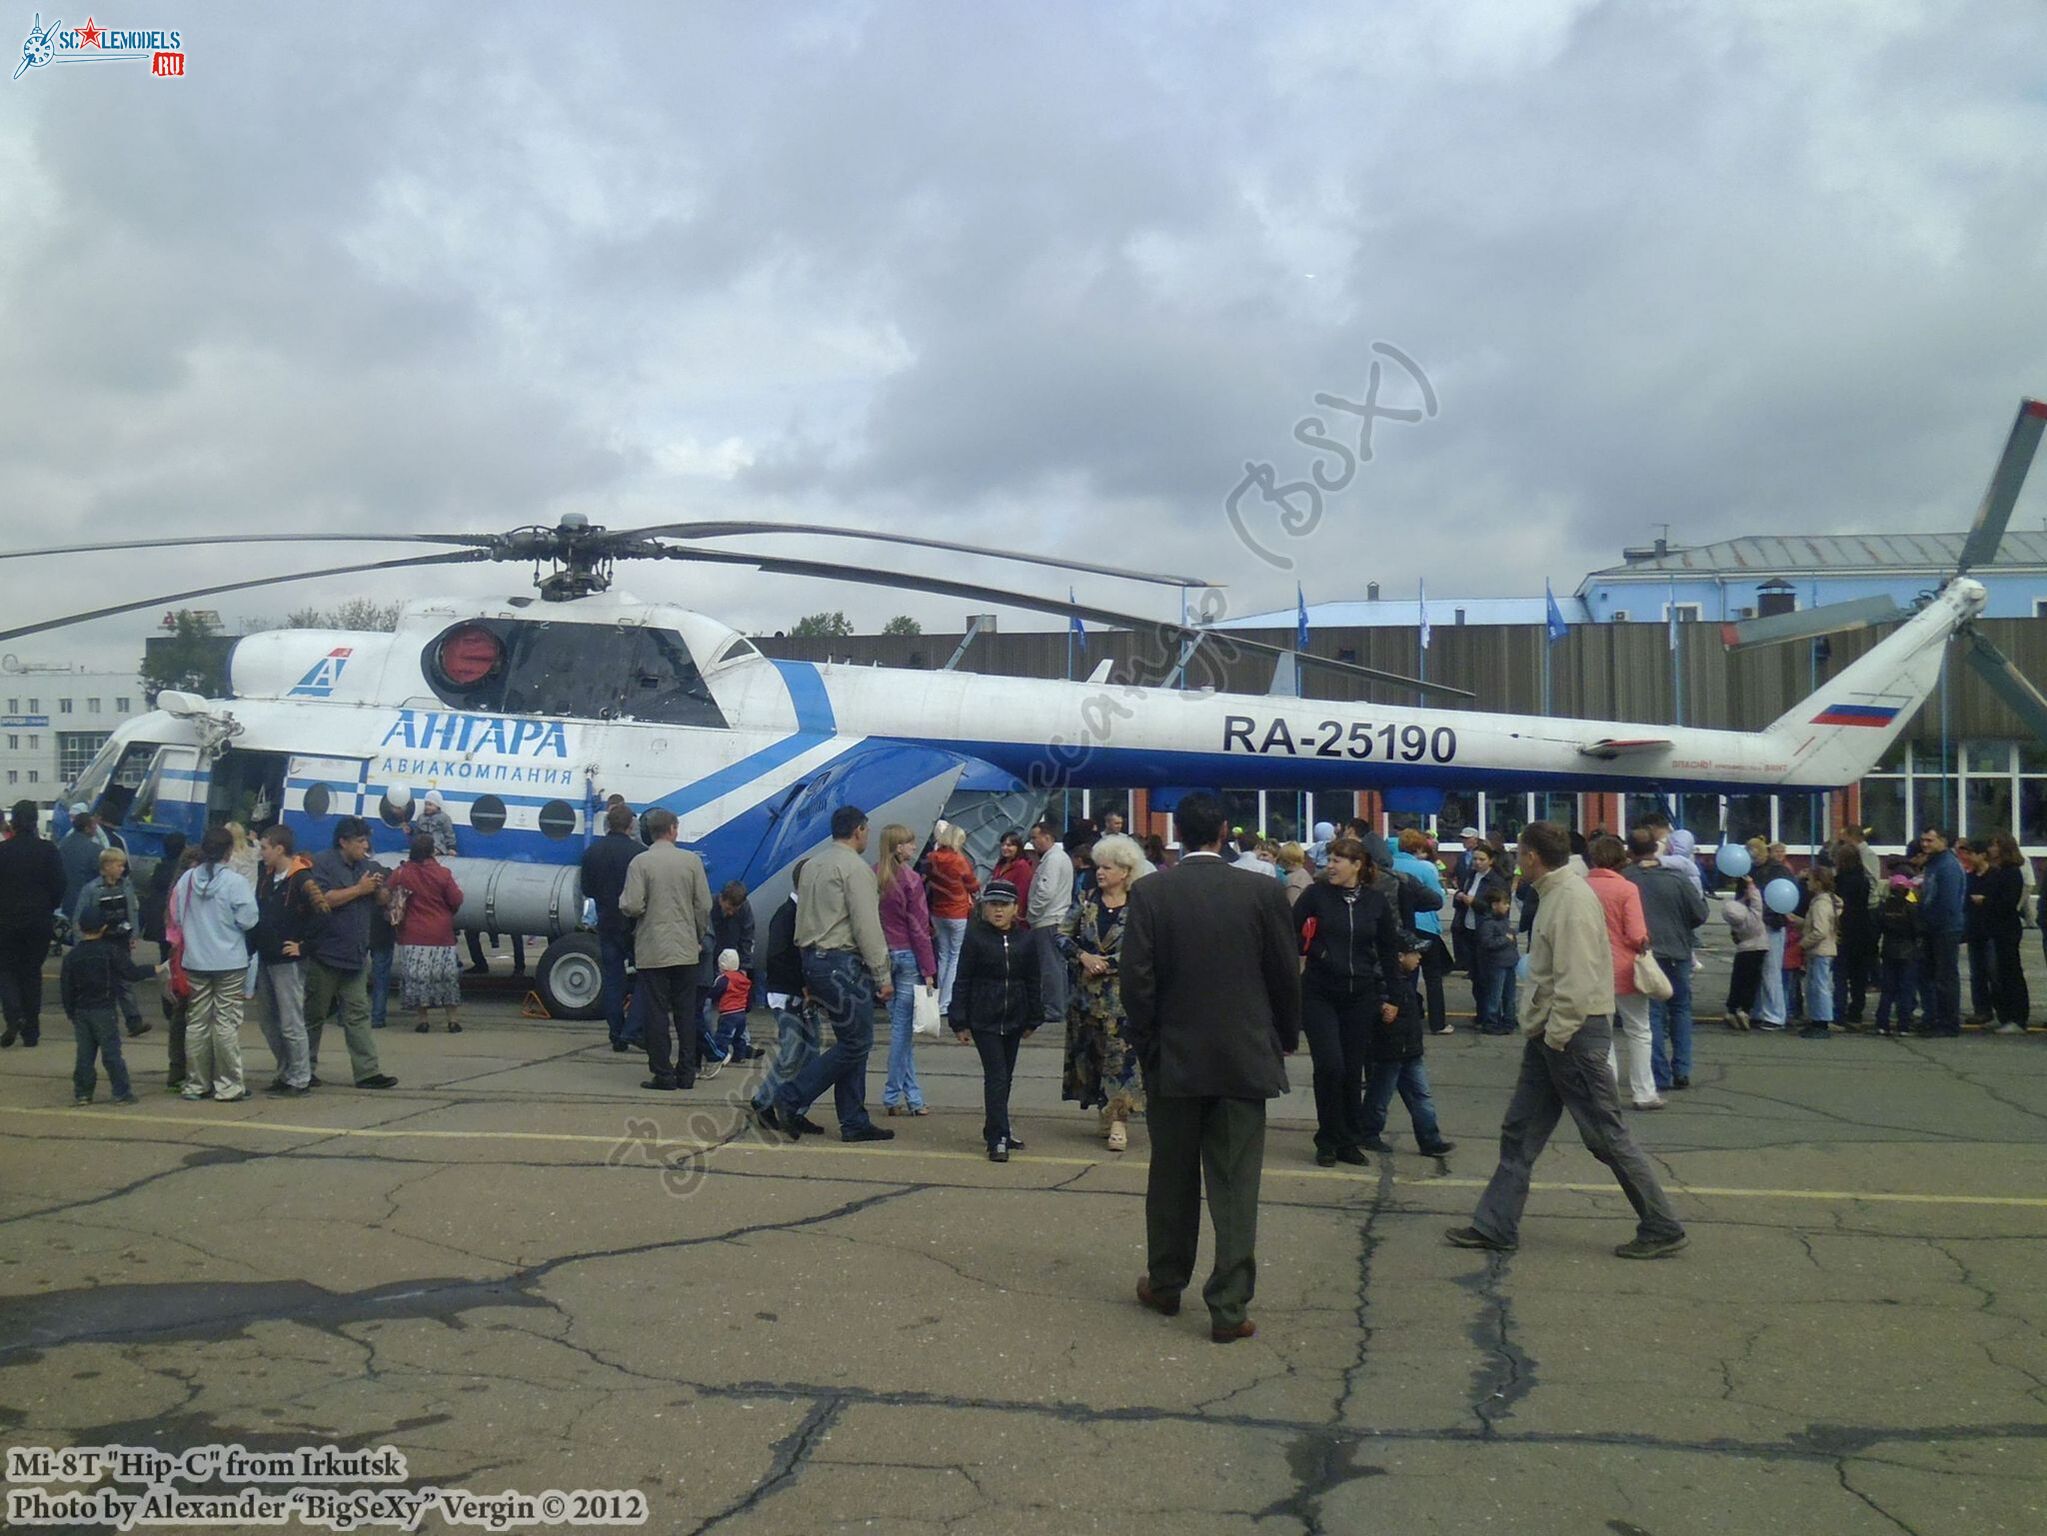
(999, 890)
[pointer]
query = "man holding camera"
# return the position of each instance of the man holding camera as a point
(110, 900)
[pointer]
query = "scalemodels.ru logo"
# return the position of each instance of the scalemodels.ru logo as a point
(95, 44)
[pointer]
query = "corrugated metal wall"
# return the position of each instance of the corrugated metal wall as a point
(1603, 671)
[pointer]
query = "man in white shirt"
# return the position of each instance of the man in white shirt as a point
(1051, 896)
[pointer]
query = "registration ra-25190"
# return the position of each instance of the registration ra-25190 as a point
(1356, 739)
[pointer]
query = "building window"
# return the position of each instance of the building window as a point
(2040, 607)
(33, 776)
(1620, 616)
(124, 706)
(76, 750)
(63, 706)
(92, 706)
(35, 706)
(1685, 613)
(13, 776)
(35, 743)
(14, 743)
(14, 706)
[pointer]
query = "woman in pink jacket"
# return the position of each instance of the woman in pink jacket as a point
(906, 926)
(1627, 935)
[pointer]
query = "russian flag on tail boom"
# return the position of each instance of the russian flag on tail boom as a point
(1856, 714)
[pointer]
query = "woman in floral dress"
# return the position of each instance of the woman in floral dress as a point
(1101, 1063)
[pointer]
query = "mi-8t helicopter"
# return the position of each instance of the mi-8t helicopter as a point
(525, 714)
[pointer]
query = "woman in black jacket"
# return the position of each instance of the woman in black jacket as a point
(2003, 889)
(1350, 981)
(995, 1005)
(31, 889)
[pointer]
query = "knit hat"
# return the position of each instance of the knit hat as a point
(999, 890)
(728, 959)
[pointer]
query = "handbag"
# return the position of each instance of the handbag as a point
(394, 908)
(1650, 980)
(925, 1021)
(179, 982)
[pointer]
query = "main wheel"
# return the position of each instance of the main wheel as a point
(571, 977)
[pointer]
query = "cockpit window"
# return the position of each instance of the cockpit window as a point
(738, 648)
(595, 671)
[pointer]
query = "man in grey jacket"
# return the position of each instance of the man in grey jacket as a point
(668, 893)
(1673, 906)
(1051, 897)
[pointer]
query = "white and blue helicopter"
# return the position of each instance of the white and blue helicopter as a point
(526, 714)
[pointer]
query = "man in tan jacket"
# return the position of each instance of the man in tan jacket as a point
(1567, 1013)
(669, 895)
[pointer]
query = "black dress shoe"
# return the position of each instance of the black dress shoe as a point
(1680, 1082)
(1353, 1157)
(868, 1133)
(660, 1084)
(765, 1117)
(1325, 1159)
(619, 1047)
(803, 1124)
(1440, 1149)
(381, 1080)
(9, 1038)
(1378, 1144)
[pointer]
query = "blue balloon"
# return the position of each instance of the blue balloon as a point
(1733, 861)
(1781, 895)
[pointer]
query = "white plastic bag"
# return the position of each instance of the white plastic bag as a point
(926, 1020)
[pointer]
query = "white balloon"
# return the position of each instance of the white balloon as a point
(399, 795)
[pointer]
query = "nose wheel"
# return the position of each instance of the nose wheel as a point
(571, 977)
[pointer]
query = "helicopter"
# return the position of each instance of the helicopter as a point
(528, 713)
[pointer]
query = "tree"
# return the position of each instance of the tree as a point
(191, 657)
(902, 624)
(358, 613)
(830, 626)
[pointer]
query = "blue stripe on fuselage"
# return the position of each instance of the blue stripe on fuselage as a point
(815, 725)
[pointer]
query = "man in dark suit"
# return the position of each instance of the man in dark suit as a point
(1212, 991)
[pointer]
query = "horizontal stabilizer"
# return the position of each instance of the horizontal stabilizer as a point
(1609, 748)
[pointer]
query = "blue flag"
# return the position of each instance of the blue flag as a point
(1557, 627)
(1073, 621)
(1300, 619)
(1423, 590)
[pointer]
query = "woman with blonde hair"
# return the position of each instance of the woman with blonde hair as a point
(906, 927)
(1293, 860)
(952, 885)
(1101, 1061)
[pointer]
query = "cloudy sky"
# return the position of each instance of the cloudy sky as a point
(1048, 276)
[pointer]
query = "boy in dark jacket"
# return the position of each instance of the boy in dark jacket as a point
(1395, 1053)
(1496, 955)
(995, 1004)
(1898, 932)
(90, 983)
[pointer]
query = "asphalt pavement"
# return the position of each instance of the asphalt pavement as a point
(524, 1273)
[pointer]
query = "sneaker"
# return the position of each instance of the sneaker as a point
(313, 1081)
(1680, 1082)
(232, 1098)
(1471, 1237)
(193, 1098)
(876, 1133)
(1649, 1103)
(381, 1080)
(765, 1117)
(1815, 1032)
(420, 1028)
(81, 1103)
(283, 1090)
(802, 1125)
(126, 1098)
(1016, 1143)
(1651, 1247)
(999, 1153)
(2011, 1029)
(712, 1066)
(1440, 1149)
(1447, 1029)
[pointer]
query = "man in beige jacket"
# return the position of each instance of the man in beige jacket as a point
(1567, 1013)
(669, 895)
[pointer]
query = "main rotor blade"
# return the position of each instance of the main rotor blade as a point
(462, 557)
(2009, 684)
(1810, 623)
(1004, 597)
(476, 540)
(1980, 548)
(726, 529)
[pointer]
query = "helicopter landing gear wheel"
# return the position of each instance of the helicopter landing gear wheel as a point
(571, 977)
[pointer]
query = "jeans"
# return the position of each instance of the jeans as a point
(1336, 1031)
(1940, 983)
(1819, 988)
(902, 1086)
(1670, 1024)
(1629, 1057)
(1411, 1080)
(613, 951)
(949, 933)
(1497, 1007)
(667, 1006)
(281, 989)
(998, 1071)
(795, 1048)
(99, 1034)
(213, 1037)
(1770, 1007)
(380, 986)
(1898, 986)
(844, 992)
(1052, 975)
(1574, 1079)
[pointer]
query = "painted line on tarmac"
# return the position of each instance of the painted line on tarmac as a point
(842, 1149)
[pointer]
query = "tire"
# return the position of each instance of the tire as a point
(571, 977)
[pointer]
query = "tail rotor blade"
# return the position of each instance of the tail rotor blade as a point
(2009, 684)
(1987, 532)
(1811, 623)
